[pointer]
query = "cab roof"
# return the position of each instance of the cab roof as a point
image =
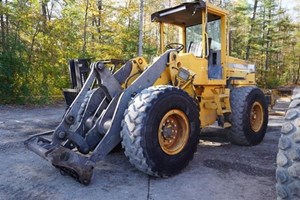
(186, 14)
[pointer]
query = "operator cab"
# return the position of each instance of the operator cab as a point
(198, 27)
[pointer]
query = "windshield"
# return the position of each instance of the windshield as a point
(214, 32)
(194, 37)
(194, 40)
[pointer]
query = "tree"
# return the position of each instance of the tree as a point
(141, 28)
(37, 38)
(251, 29)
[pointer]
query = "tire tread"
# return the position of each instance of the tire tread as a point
(288, 157)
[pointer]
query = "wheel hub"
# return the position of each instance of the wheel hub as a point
(256, 117)
(173, 132)
(168, 131)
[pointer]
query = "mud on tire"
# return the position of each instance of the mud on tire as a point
(142, 125)
(288, 157)
(249, 117)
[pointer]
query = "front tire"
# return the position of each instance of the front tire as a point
(161, 130)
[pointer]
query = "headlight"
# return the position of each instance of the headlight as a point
(183, 74)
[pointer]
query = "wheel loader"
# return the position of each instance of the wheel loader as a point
(156, 110)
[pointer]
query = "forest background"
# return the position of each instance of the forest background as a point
(39, 37)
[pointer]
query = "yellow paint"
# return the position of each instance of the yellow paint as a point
(138, 66)
(204, 33)
(162, 42)
(184, 38)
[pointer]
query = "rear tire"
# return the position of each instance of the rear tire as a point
(161, 130)
(249, 117)
(288, 157)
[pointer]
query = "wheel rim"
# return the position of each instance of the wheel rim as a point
(256, 117)
(173, 132)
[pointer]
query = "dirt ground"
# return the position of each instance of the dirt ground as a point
(219, 169)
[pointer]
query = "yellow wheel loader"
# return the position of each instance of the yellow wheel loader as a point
(157, 110)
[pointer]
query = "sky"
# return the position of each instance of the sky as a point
(289, 5)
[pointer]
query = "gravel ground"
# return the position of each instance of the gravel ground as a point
(219, 170)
